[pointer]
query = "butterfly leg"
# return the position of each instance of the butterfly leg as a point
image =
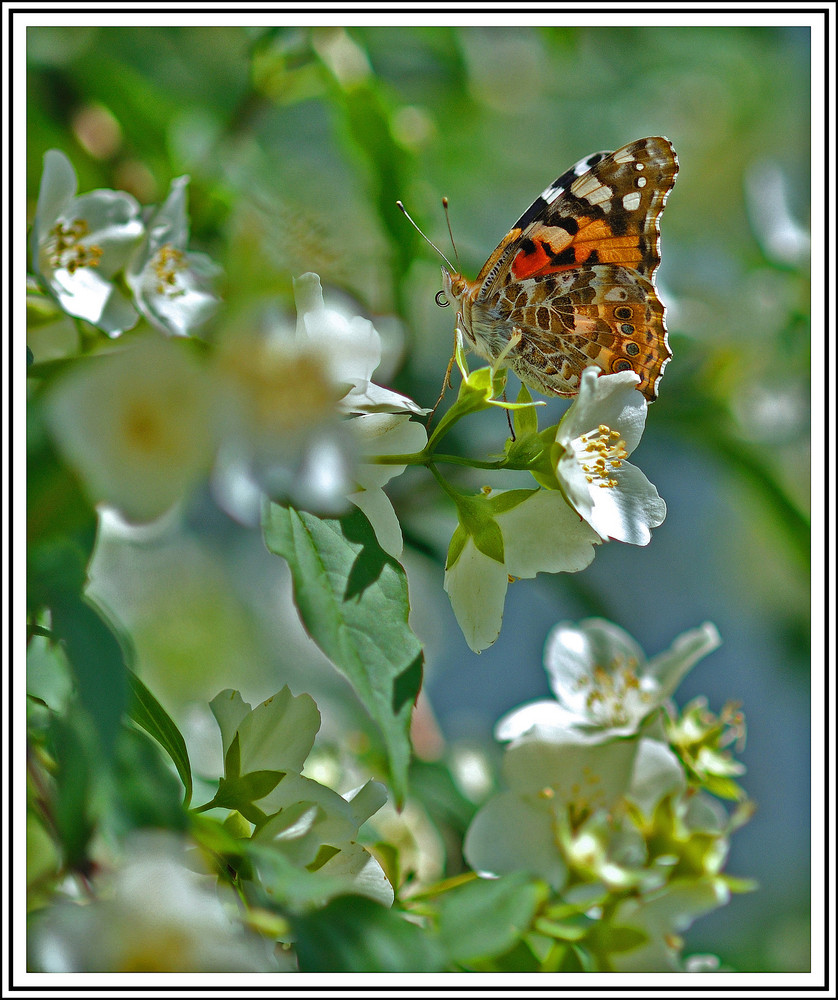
(446, 382)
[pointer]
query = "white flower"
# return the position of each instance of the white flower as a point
(153, 914)
(509, 533)
(172, 286)
(662, 917)
(558, 781)
(383, 434)
(600, 430)
(352, 348)
(301, 414)
(79, 243)
(283, 433)
(136, 424)
(603, 683)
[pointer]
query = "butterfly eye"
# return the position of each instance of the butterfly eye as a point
(441, 299)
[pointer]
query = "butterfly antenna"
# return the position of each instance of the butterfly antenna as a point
(448, 222)
(424, 237)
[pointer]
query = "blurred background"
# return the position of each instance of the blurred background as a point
(298, 142)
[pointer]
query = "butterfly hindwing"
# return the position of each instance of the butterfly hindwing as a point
(607, 315)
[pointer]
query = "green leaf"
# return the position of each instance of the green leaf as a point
(98, 659)
(488, 916)
(477, 518)
(352, 599)
(72, 811)
(146, 790)
(355, 934)
(149, 714)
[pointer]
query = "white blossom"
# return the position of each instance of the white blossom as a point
(80, 242)
(603, 684)
(172, 286)
(601, 428)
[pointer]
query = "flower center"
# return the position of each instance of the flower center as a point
(614, 694)
(168, 262)
(600, 452)
(64, 248)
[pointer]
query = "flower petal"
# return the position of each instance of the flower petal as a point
(627, 511)
(476, 585)
(573, 652)
(544, 718)
(613, 400)
(545, 535)
(380, 513)
(513, 833)
(351, 345)
(668, 668)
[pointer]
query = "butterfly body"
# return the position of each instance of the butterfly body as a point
(572, 283)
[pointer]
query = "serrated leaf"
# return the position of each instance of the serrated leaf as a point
(147, 712)
(352, 599)
(488, 916)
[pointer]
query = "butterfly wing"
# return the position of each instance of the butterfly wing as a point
(604, 210)
(574, 277)
(606, 315)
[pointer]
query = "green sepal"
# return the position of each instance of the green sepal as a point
(241, 792)
(456, 545)
(525, 418)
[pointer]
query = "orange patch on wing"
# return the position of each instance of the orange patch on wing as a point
(526, 265)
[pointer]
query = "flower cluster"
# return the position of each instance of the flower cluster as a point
(287, 412)
(83, 245)
(600, 805)
(166, 903)
(588, 493)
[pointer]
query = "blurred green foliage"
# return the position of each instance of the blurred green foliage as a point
(300, 140)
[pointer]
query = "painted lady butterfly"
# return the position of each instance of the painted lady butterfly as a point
(572, 283)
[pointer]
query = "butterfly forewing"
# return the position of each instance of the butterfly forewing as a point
(574, 277)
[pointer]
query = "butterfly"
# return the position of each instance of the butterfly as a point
(572, 283)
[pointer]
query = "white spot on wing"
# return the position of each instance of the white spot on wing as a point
(551, 193)
(631, 201)
(591, 190)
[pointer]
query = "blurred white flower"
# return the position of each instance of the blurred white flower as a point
(603, 684)
(661, 917)
(352, 349)
(172, 286)
(136, 424)
(302, 414)
(153, 914)
(383, 434)
(601, 428)
(283, 435)
(79, 243)
(505, 533)
(558, 781)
